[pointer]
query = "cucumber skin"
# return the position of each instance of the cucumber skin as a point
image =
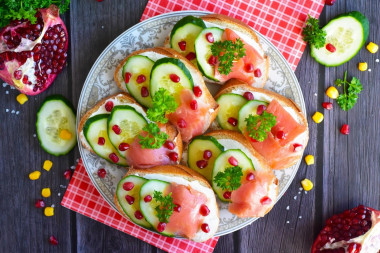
(186, 20)
(365, 25)
(208, 138)
(68, 103)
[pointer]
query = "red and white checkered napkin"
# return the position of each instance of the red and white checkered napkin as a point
(279, 20)
(81, 196)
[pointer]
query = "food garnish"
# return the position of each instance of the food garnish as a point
(372, 47)
(34, 175)
(351, 90)
(362, 66)
(163, 103)
(318, 117)
(49, 211)
(307, 185)
(309, 159)
(229, 179)
(154, 138)
(22, 98)
(227, 52)
(258, 126)
(165, 207)
(332, 92)
(345, 129)
(47, 165)
(46, 193)
(313, 34)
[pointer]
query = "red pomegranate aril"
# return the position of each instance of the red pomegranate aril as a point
(260, 109)
(345, 129)
(248, 95)
(53, 240)
(202, 164)
(147, 198)
(169, 145)
(67, 174)
(265, 200)
(144, 92)
(102, 173)
(17, 74)
(123, 146)
(101, 141)
(330, 2)
(138, 215)
(25, 79)
(109, 106)
(232, 160)
(209, 37)
(257, 73)
(207, 154)
(330, 47)
(327, 105)
(114, 158)
(161, 227)
(197, 91)
(175, 78)
(297, 147)
(354, 248)
(39, 203)
(232, 121)
(130, 199)
(191, 56)
(140, 79)
(249, 67)
(177, 208)
(212, 60)
(194, 105)
(205, 228)
(203, 210)
(116, 129)
(280, 135)
(182, 45)
(227, 195)
(250, 176)
(181, 123)
(128, 186)
(173, 156)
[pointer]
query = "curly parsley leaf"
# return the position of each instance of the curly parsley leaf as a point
(312, 34)
(258, 126)
(229, 179)
(163, 103)
(348, 98)
(154, 138)
(227, 52)
(165, 206)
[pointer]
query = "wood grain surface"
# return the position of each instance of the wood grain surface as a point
(346, 172)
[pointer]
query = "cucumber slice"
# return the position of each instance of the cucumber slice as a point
(221, 163)
(160, 77)
(130, 122)
(96, 127)
(229, 106)
(56, 114)
(138, 65)
(203, 51)
(250, 108)
(187, 30)
(196, 150)
(348, 33)
(148, 208)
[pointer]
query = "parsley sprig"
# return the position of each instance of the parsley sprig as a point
(26, 9)
(165, 207)
(349, 97)
(163, 103)
(227, 52)
(258, 126)
(154, 138)
(312, 34)
(229, 179)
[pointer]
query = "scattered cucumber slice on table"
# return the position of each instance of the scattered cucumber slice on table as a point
(203, 51)
(347, 33)
(121, 193)
(196, 150)
(138, 65)
(55, 125)
(250, 108)
(229, 106)
(96, 127)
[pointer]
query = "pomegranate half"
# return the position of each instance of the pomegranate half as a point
(32, 55)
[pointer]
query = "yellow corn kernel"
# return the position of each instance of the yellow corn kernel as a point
(318, 117)
(49, 211)
(372, 47)
(307, 184)
(65, 134)
(46, 192)
(363, 66)
(22, 98)
(309, 159)
(332, 92)
(47, 165)
(34, 175)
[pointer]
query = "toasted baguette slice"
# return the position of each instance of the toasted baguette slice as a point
(183, 175)
(246, 33)
(206, 97)
(125, 99)
(237, 87)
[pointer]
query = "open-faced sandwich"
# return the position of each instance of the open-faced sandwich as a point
(118, 130)
(170, 87)
(274, 125)
(172, 200)
(222, 48)
(237, 172)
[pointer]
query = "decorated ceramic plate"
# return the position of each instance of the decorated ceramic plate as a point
(152, 33)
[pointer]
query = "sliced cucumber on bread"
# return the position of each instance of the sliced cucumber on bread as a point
(250, 108)
(228, 114)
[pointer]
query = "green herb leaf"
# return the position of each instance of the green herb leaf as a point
(154, 139)
(229, 179)
(348, 98)
(258, 126)
(312, 34)
(227, 52)
(163, 103)
(165, 206)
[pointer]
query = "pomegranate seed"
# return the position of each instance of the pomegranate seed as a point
(280, 135)
(257, 73)
(101, 141)
(161, 227)
(177, 208)
(327, 105)
(25, 79)
(182, 45)
(232, 160)
(260, 109)
(123, 146)
(330, 2)
(345, 129)
(212, 60)
(248, 95)
(210, 37)
(354, 248)
(194, 105)
(109, 106)
(297, 147)
(249, 67)
(147, 198)
(232, 121)
(114, 158)
(207, 154)
(173, 156)
(128, 186)
(141, 79)
(169, 145)
(67, 174)
(330, 48)
(53, 240)
(174, 78)
(138, 215)
(181, 123)
(197, 91)
(127, 77)
(202, 164)
(250, 176)
(265, 200)
(17, 74)
(204, 211)
(116, 129)
(144, 92)
(252, 140)
(39, 203)
(191, 56)
(205, 228)
(130, 199)
(102, 173)
(227, 195)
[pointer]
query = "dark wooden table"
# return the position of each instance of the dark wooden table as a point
(346, 172)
